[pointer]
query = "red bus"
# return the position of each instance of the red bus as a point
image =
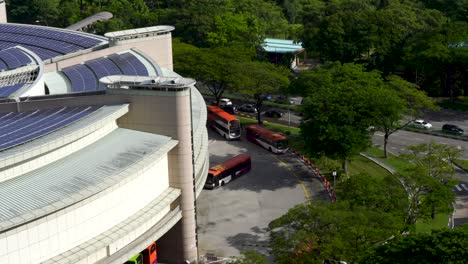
(150, 255)
(228, 170)
(274, 142)
(225, 124)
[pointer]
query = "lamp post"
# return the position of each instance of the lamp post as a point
(334, 179)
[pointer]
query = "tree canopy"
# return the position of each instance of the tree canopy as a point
(440, 246)
(338, 110)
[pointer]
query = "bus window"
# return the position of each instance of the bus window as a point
(228, 170)
(222, 122)
(268, 139)
(282, 144)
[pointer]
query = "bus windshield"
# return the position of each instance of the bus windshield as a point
(282, 144)
(209, 179)
(234, 127)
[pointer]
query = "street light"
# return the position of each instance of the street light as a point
(334, 179)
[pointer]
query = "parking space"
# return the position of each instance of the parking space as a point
(234, 218)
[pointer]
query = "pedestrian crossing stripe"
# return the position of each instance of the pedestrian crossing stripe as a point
(458, 188)
(464, 186)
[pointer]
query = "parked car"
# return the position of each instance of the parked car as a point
(232, 109)
(224, 101)
(419, 123)
(452, 129)
(273, 113)
(250, 108)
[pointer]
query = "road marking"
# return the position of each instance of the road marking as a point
(295, 175)
(379, 134)
(464, 186)
(458, 188)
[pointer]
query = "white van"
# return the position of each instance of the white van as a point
(224, 101)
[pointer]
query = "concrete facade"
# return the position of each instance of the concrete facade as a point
(151, 199)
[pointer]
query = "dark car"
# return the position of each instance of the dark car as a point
(273, 113)
(232, 109)
(247, 108)
(452, 129)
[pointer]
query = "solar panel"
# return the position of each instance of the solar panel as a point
(6, 91)
(81, 77)
(55, 45)
(123, 64)
(14, 58)
(21, 127)
(3, 66)
(103, 67)
(66, 37)
(136, 63)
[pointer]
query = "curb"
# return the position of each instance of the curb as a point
(316, 172)
(389, 169)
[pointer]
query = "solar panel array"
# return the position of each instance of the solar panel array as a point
(20, 127)
(103, 67)
(81, 77)
(129, 64)
(51, 42)
(6, 91)
(13, 58)
(85, 77)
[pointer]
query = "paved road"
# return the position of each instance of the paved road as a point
(234, 218)
(402, 139)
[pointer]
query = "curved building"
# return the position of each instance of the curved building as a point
(103, 148)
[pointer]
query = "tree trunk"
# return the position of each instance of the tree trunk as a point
(258, 118)
(385, 144)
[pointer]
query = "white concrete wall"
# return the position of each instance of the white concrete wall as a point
(63, 230)
(3, 14)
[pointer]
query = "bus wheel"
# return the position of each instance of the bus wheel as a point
(226, 137)
(270, 149)
(222, 183)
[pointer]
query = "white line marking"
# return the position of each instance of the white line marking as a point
(464, 186)
(458, 188)
(379, 134)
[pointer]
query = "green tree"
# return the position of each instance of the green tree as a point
(441, 246)
(437, 60)
(338, 110)
(310, 233)
(378, 194)
(429, 180)
(399, 99)
(43, 12)
(217, 69)
(257, 79)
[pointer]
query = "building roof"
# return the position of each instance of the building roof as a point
(78, 176)
(282, 45)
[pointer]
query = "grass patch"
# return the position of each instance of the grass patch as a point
(460, 106)
(397, 163)
(426, 226)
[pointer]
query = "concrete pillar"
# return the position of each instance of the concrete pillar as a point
(170, 114)
(3, 14)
